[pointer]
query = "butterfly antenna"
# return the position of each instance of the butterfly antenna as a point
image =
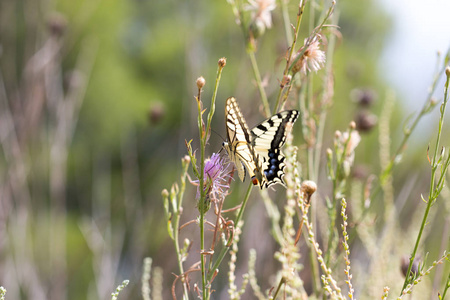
(218, 134)
(221, 148)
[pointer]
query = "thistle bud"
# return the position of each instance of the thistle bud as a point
(365, 121)
(57, 24)
(222, 62)
(156, 113)
(337, 134)
(308, 188)
(364, 96)
(201, 82)
(352, 125)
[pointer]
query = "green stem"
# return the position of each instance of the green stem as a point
(282, 281)
(202, 199)
(431, 193)
(286, 20)
(447, 286)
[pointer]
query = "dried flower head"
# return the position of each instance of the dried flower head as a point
(156, 113)
(365, 121)
(261, 14)
(313, 59)
(363, 96)
(57, 24)
(308, 188)
(216, 178)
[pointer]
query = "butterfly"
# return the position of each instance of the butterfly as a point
(258, 150)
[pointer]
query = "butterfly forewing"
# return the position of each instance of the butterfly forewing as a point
(239, 147)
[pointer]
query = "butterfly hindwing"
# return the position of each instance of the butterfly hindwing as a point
(267, 139)
(257, 150)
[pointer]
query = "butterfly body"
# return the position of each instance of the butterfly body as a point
(257, 150)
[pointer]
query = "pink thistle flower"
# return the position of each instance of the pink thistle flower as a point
(216, 178)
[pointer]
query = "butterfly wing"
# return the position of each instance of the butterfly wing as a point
(267, 139)
(239, 145)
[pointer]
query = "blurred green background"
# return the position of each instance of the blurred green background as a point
(97, 100)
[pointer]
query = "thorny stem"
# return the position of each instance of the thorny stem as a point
(225, 249)
(431, 194)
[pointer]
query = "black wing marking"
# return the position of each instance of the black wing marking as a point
(267, 139)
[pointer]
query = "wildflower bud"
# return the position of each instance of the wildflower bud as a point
(329, 152)
(186, 159)
(186, 243)
(57, 25)
(222, 62)
(298, 65)
(201, 82)
(447, 71)
(257, 29)
(365, 121)
(352, 125)
(165, 193)
(337, 134)
(286, 80)
(363, 97)
(433, 101)
(206, 204)
(156, 113)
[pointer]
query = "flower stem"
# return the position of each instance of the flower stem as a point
(432, 195)
(301, 8)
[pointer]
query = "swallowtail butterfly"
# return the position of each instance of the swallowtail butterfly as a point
(258, 150)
